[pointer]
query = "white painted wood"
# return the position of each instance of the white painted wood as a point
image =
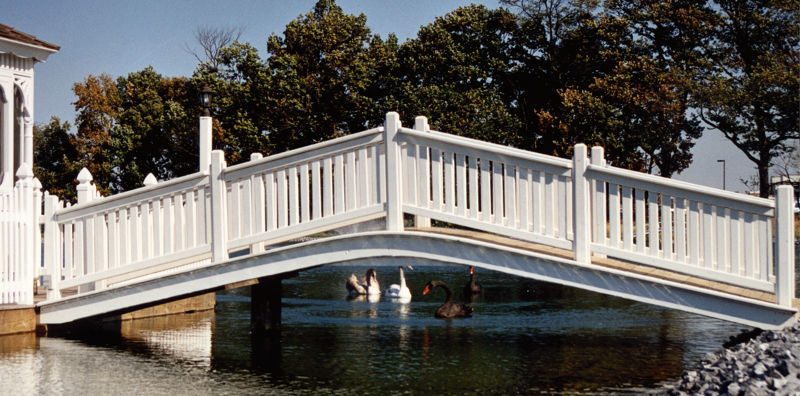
(581, 216)
(474, 188)
(245, 208)
(666, 227)
(169, 224)
(158, 227)
(653, 230)
(680, 230)
(282, 197)
(327, 187)
(784, 245)
(721, 239)
(641, 226)
(293, 195)
(598, 199)
(350, 180)
(436, 180)
(627, 218)
(316, 190)
(750, 247)
(707, 236)
(394, 196)
(486, 191)
(449, 182)
(191, 220)
(271, 205)
(125, 236)
(510, 196)
(305, 207)
(562, 208)
(461, 184)
(524, 199)
(736, 242)
(219, 232)
(613, 215)
(498, 215)
(363, 179)
(537, 178)
(694, 233)
(339, 184)
(551, 205)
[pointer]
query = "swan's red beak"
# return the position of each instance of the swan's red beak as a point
(426, 290)
(471, 270)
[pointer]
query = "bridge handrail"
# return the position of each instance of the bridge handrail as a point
(131, 197)
(302, 154)
(728, 199)
(474, 171)
(505, 153)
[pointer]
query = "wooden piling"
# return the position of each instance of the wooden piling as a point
(265, 305)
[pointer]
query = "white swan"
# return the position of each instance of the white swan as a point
(399, 292)
(365, 286)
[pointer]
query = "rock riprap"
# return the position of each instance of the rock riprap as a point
(767, 364)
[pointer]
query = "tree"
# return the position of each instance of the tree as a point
(212, 40)
(97, 105)
(53, 148)
(751, 92)
(454, 72)
(320, 78)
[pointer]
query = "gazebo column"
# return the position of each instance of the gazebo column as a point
(27, 149)
(7, 137)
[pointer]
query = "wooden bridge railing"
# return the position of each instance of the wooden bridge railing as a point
(581, 205)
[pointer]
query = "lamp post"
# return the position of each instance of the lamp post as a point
(723, 173)
(206, 96)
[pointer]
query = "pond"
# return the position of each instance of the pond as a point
(525, 337)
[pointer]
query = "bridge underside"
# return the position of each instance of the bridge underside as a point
(408, 245)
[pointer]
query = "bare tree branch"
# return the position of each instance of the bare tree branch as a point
(212, 40)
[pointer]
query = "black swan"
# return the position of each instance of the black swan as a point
(449, 309)
(472, 287)
(365, 286)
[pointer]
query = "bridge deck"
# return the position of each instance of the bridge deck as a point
(609, 263)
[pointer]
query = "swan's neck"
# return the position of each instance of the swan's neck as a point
(402, 278)
(447, 292)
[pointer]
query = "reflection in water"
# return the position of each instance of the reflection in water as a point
(525, 337)
(184, 336)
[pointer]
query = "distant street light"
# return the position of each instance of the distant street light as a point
(206, 94)
(723, 173)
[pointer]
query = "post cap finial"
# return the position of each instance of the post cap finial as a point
(84, 176)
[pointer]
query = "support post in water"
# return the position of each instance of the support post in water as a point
(265, 305)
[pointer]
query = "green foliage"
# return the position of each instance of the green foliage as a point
(53, 147)
(751, 92)
(454, 73)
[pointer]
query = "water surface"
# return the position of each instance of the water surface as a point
(525, 337)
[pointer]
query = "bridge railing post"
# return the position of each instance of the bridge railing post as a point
(219, 208)
(421, 124)
(784, 245)
(52, 247)
(581, 244)
(394, 197)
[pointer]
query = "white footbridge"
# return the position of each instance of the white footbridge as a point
(579, 222)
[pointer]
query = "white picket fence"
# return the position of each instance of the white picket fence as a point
(580, 205)
(19, 239)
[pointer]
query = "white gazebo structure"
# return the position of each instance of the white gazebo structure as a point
(18, 53)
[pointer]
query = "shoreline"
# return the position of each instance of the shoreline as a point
(768, 362)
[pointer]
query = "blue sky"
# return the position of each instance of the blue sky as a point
(120, 37)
